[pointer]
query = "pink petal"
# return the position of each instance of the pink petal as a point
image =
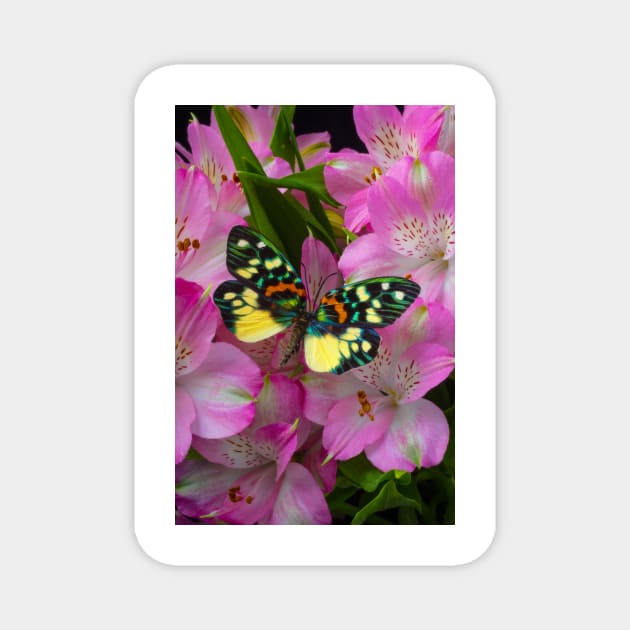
(430, 322)
(381, 130)
(201, 487)
(369, 257)
(274, 167)
(252, 496)
(261, 351)
(418, 436)
(446, 141)
(280, 400)
(322, 391)
(223, 388)
(208, 267)
(195, 199)
(420, 368)
(183, 157)
(209, 152)
(430, 180)
(256, 124)
(399, 220)
(348, 172)
(232, 199)
(422, 125)
(276, 442)
(357, 215)
(437, 281)
(184, 417)
(300, 500)
(380, 373)
(355, 422)
(325, 475)
(313, 147)
(319, 270)
(196, 319)
(237, 451)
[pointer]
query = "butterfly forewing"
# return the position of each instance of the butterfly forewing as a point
(267, 295)
(372, 303)
(254, 261)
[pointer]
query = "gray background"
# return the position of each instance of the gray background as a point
(69, 72)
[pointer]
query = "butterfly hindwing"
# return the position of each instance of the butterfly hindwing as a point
(248, 314)
(257, 263)
(372, 303)
(337, 348)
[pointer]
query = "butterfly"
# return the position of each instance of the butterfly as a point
(268, 296)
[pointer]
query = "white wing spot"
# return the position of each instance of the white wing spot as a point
(385, 286)
(242, 243)
(399, 295)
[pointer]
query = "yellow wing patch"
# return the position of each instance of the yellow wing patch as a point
(323, 354)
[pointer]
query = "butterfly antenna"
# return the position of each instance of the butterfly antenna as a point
(321, 285)
(303, 267)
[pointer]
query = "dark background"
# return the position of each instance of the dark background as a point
(336, 119)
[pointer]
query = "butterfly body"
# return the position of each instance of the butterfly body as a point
(300, 327)
(267, 296)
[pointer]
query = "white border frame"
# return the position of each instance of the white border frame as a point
(316, 84)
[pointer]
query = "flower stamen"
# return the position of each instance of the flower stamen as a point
(366, 407)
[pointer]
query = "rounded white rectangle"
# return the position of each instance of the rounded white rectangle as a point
(474, 103)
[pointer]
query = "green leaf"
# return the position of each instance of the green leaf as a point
(310, 181)
(337, 501)
(242, 155)
(448, 463)
(313, 224)
(361, 472)
(439, 395)
(272, 214)
(318, 212)
(407, 516)
(284, 144)
(389, 497)
(281, 142)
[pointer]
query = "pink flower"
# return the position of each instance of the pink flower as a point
(389, 136)
(200, 229)
(379, 407)
(267, 487)
(412, 213)
(216, 384)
